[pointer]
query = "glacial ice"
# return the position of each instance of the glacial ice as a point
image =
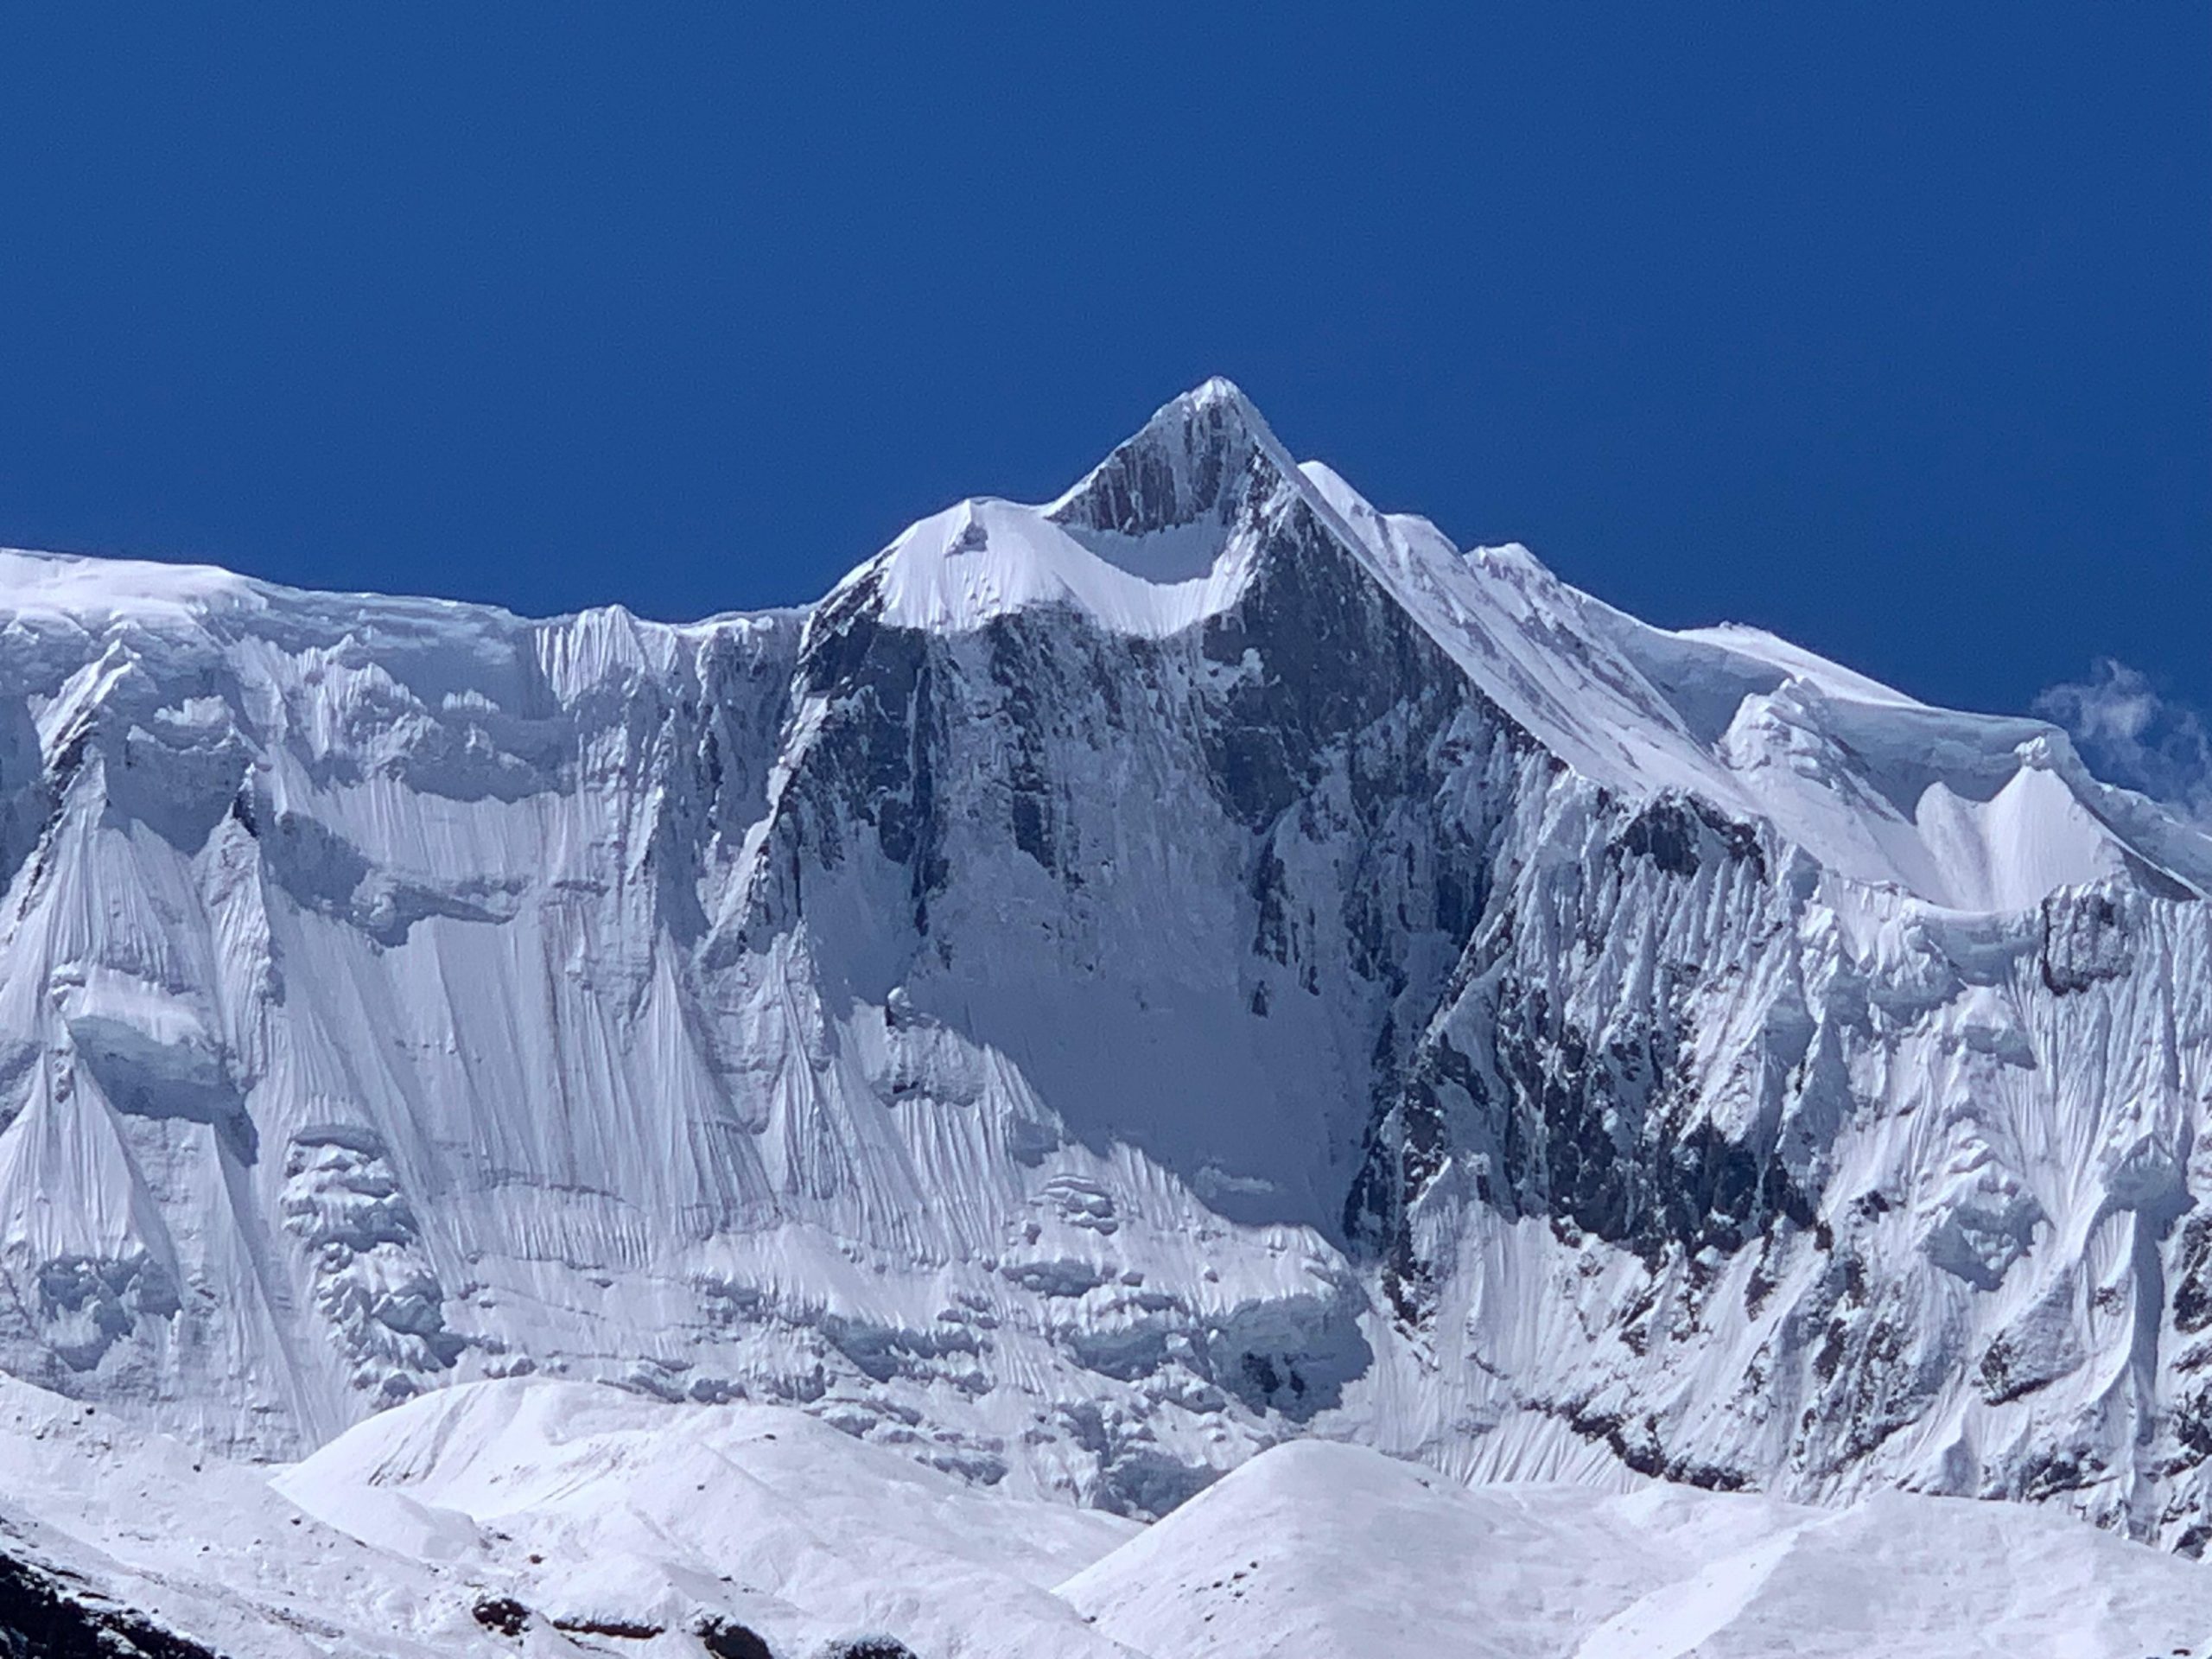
(1115, 986)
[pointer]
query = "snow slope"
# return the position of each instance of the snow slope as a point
(205, 1548)
(580, 1520)
(1117, 985)
(594, 1512)
(597, 1508)
(1316, 1549)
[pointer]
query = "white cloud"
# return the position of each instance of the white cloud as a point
(2132, 735)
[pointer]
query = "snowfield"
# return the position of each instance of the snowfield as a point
(593, 1521)
(1118, 988)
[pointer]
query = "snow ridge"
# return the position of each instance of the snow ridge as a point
(1116, 984)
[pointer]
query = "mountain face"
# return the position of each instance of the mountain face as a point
(1114, 986)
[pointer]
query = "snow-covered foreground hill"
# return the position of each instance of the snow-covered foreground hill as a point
(552, 1518)
(1115, 986)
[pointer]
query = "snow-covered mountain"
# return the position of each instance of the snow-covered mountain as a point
(1117, 985)
(564, 1520)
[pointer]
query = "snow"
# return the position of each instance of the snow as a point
(983, 559)
(96, 592)
(2031, 838)
(1739, 640)
(1121, 984)
(1730, 713)
(595, 1509)
(635, 1509)
(1320, 1549)
(207, 1547)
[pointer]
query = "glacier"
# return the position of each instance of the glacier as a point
(1116, 986)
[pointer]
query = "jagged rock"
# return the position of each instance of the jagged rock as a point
(43, 1615)
(1114, 985)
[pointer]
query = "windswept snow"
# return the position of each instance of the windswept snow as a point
(592, 1511)
(1730, 713)
(1118, 985)
(1315, 1548)
(1736, 640)
(590, 1521)
(983, 559)
(97, 594)
(593, 1507)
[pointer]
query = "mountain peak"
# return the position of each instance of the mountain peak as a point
(1215, 389)
(1189, 464)
(1223, 1003)
(1142, 544)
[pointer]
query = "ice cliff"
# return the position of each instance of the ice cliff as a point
(1116, 985)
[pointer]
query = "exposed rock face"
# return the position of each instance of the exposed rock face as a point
(1112, 986)
(47, 1613)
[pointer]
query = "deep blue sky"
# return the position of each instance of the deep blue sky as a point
(1889, 327)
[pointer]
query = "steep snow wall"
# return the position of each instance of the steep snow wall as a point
(1116, 984)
